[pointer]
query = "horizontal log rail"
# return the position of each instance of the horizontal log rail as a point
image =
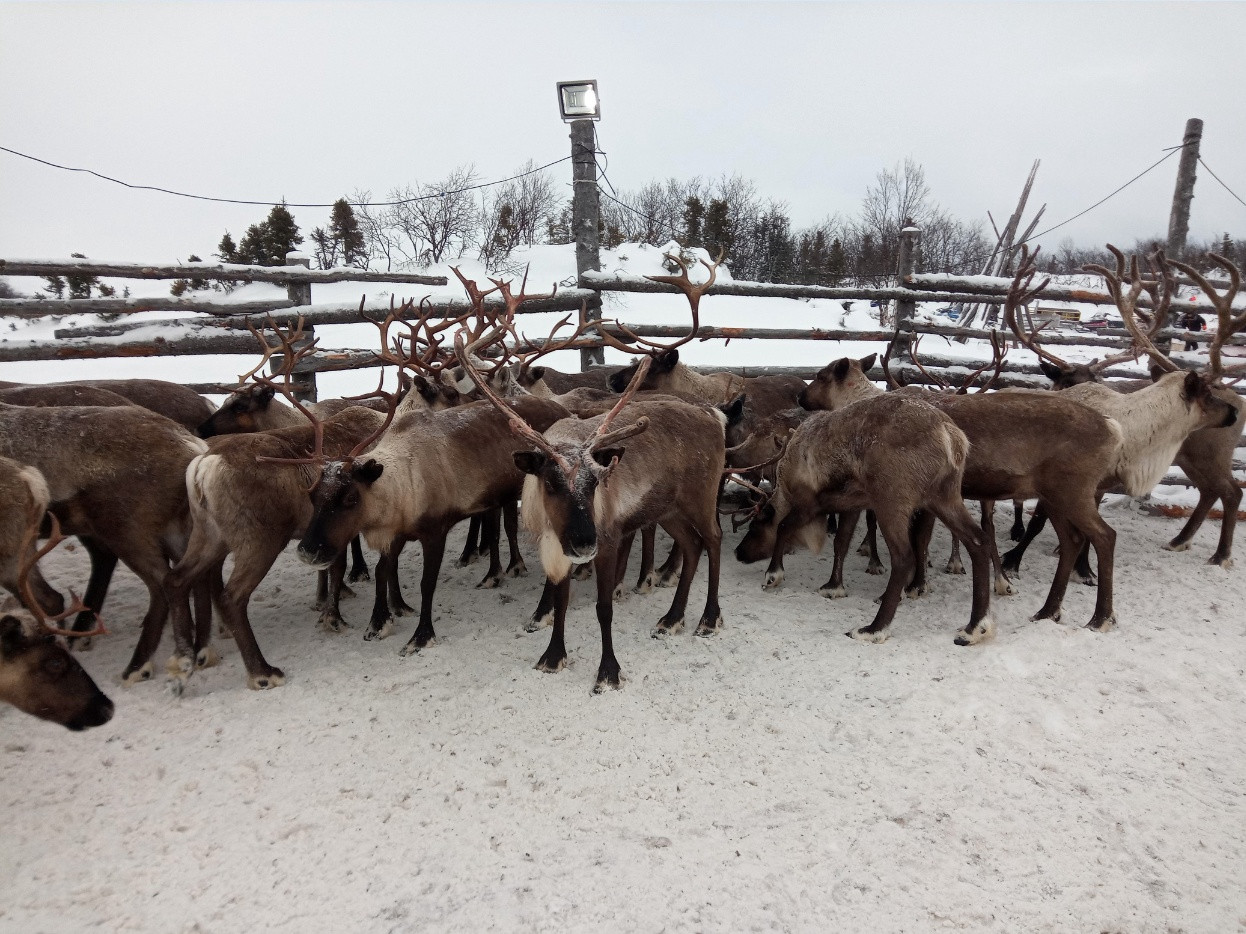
(51, 308)
(231, 272)
(983, 286)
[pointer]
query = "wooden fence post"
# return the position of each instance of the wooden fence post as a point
(1183, 194)
(585, 221)
(302, 384)
(906, 309)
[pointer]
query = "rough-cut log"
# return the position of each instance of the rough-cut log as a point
(228, 271)
(983, 286)
(324, 313)
(607, 282)
(40, 308)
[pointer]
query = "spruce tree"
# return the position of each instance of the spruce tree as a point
(720, 236)
(694, 216)
(226, 251)
(344, 229)
(836, 263)
(280, 235)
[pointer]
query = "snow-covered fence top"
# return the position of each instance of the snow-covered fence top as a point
(235, 272)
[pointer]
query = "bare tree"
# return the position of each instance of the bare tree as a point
(517, 213)
(439, 219)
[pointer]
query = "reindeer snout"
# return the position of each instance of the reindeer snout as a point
(97, 714)
(316, 556)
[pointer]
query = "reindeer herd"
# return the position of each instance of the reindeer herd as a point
(149, 474)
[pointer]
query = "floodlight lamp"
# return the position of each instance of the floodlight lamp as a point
(577, 100)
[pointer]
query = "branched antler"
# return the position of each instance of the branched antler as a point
(692, 292)
(1021, 293)
(31, 556)
(1127, 304)
(1227, 324)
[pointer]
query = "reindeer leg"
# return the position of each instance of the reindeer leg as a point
(845, 527)
(398, 605)
(711, 535)
(1103, 537)
(954, 515)
(555, 657)
(103, 564)
(382, 622)
(358, 564)
(1081, 567)
(489, 528)
(1003, 586)
(648, 538)
(666, 573)
(544, 613)
(896, 533)
(434, 550)
(251, 563)
(608, 673)
(871, 544)
(624, 554)
(1017, 532)
(921, 528)
(510, 522)
(471, 547)
(689, 543)
(788, 527)
(954, 564)
(204, 590)
(1011, 564)
(1070, 544)
(330, 611)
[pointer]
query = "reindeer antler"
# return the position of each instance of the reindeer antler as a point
(1227, 325)
(1127, 303)
(692, 292)
(31, 556)
(1020, 293)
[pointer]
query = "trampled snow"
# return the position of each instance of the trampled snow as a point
(777, 776)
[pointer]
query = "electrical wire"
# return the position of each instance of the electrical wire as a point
(356, 204)
(1222, 184)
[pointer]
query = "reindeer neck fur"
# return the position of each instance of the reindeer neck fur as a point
(1154, 423)
(710, 387)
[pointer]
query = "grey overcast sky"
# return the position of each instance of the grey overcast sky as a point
(310, 101)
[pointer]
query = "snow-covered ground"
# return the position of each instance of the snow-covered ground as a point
(775, 777)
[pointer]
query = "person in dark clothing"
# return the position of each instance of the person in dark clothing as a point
(1192, 321)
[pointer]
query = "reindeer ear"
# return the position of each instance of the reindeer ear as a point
(734, 410)
(369, 471)
(1050, 370)
(532, 462)
(839, 369)
(264, 396)
(666, 361)
(12, 635)
(421, 385)
(607, 456)
(1193, 388)
(1156, 372)
(537, 373)
(867, 363)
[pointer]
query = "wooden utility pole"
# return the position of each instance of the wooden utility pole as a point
(303, 385)
(585, 221)
(910, 239)
(1183, 194)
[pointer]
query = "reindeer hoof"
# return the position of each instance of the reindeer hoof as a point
(1053, 615)
(1226, 563)
(863, 635)
(539, 622)
(582, 572)
(1087, 579)
(975, 633)
(551, 664)
(833, 593)
(1107, 624)
(416, 645)
(644, 585)
(619, 594)
(919, 591)
(1003, 586)
(773, 580)
(223, 632)
(333, 624)
(492, 582)
(954, 567)
(518, 569)
(275, 678)
(207, 657)
(1175, 545)
(373, 632)
(81, 643)
(401, 609)
(608, 679)
(142, 674)
(668, 580)
(875, 568)
(667, 627)
(709, 627)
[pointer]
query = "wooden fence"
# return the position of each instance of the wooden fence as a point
(222, 327)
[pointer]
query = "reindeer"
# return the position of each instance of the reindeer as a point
(134, 506)
(846, 460)
(1187, 417)
(24, 499)
(1021, 446)
(38, 675)
(429, 471)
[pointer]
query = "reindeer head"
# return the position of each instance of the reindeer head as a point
(243, 411)
(337, 509)
(839, 383)
(39, 676)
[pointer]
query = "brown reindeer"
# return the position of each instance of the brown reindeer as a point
(1188, 418)
(1022, 446)
(134, 506)
(851, 459)
(40, 677)
(24, 499)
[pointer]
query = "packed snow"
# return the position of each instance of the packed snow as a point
(777, 776)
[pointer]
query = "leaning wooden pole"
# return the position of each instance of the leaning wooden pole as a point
(1183, 194)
